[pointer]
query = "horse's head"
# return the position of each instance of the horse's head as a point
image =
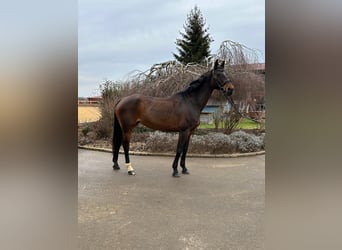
(221, 81)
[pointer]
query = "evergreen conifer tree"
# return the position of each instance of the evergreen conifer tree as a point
(195, 43)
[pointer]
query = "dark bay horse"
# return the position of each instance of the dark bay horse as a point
(177, 113)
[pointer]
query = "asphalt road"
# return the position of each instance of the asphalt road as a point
(220, 205)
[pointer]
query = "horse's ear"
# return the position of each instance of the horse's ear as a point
(216, 64)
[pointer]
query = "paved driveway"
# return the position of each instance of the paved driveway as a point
(220, 205)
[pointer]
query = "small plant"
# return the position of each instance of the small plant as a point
(85, 130)
(230, 121)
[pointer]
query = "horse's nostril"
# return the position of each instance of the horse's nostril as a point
(230, 91)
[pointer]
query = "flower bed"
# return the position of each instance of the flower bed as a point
(212, 143)
(202, 142)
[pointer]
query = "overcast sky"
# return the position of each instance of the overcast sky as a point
(118, 37)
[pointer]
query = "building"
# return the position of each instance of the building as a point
(88, 109)
(95, 100)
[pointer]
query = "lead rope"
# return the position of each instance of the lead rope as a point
(232, 103)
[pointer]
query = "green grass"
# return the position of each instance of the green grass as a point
(247, 124)
(243, 124)
(205, 125)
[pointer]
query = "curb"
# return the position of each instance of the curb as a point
(235, 155)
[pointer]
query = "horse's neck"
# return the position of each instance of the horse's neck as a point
(201, 96)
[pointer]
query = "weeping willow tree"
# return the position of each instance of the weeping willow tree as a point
(243, 67)
(167, 78)
(238, 54)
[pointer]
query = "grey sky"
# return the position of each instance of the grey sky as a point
(118, 37)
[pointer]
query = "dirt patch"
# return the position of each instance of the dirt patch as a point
(88, 113)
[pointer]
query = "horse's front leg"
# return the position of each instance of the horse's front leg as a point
(185, 150)
(181, 145)
(182, 162)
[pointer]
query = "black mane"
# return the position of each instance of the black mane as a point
(195, 84)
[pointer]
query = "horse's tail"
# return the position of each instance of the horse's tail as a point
(117, 138)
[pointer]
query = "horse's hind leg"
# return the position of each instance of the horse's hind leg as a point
(125, 143)
(116, 148)
(117, 141)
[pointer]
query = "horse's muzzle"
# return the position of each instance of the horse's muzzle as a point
(229, 89)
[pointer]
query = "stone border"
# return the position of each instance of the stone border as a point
(173, 154)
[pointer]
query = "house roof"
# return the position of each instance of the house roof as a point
(259, 67)
(94, 97)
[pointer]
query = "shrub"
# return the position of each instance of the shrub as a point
(103, 128)
(110, 92)
(161, 142)
(246, 142)
(141, 129)
(213, 142)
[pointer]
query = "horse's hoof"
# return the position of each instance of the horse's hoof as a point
(176, 175)
(116, 167)
(131, 172)
(185, 171)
